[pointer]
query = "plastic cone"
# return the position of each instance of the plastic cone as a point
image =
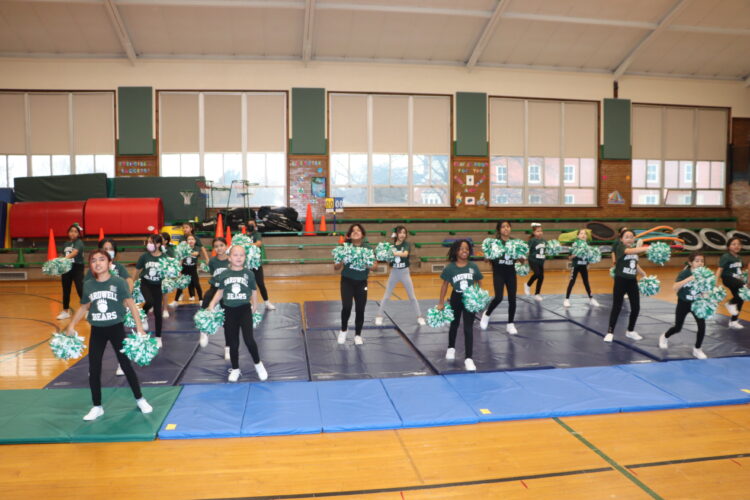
(156, 230)
(219, 227)
(101, 233)
(342, 240)
(229, 236)
(244, 229)
(51, 247)
(309, 222)
(322, 227)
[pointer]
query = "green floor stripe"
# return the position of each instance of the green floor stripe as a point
(610, 461)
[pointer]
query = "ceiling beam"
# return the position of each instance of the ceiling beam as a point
(120, 31)
(307, 37)
(645, 42)
(487, 33)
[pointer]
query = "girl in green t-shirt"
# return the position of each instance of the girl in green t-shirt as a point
(148, 269)
(730, 271)
(257, 239)
(580, 266)
(537, 247)
(72, 249)
(626, 268)
(400, 274)
(190, 268)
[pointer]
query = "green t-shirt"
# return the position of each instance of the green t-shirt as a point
(504, 259)
(731, 266)
(401, 262)
(685, 292)
(237, 287)
(255, 236)
(68, 248)
(461, 278)
(168, 250)
(356, 273)
(537, 248)
(626, 266)
(192, 260)
(106, 299)
(216, 266)
(149, 267)
(115, 269)
(578, 261)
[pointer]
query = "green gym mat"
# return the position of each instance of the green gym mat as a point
(56, 415)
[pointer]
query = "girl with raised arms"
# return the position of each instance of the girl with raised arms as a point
(503, 276)
(400, 274)
(626, 269)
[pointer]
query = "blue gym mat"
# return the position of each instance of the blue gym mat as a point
(180, 318)
(282, 408)
(206, 411)
(165, 369)
(384, 354)
(427, 402)
(356, 405)
(326, 315)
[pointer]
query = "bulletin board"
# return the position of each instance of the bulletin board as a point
(308, 183)
(137, 166)
(470, 181)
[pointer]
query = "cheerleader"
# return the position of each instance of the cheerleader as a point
(216, 266)
(460, 274)
(257, 239)
(190, 268)
(235, 289)
(503, 276)
(169, 250)
(187, 230)
(730, 271)
(73, 249)
(626, 268)
(115, 268)
(400, 274)
(353, 287)
(148, 270)
(537, 247)
(580, 266)
(685, 297)
(112, 297)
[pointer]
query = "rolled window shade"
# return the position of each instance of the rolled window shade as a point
(12, 124)
(712, 134)
(507, 125)
(348, 123)
(94, 123)
(178, 122)
(266, 123)
(50, 129)
(432, 125)
(679, 142)
(581, 125)
(647, 132)
(390, 124)
(544, 128)
(222, 123)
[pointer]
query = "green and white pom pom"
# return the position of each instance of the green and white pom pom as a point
(169, 267)
(130, 322)
(717, 294)
(141, 350)
(493, 248)
(648, 286)
(703, 308)
(362, 258)
(257, 318)
(182, 250)
(612, 271)
(744, 293)
(67, 347)
(475, 299)
(384, 252)
(704, 280)
(57, 267)
(341, 253)
(659, 253)
(594, 255)
(744, 276)
(436, 318)
(553, 248)
(203, 267)
(182, 281)
(207, 321)
(522, 269)
(516, 249)
(168, 285)
(137, 294)
(242, 240)
(252, 257)
(579, 249)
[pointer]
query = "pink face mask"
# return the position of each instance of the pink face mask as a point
(151, 247)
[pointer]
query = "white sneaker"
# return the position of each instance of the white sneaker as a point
(342, 337)
(698, 353)
(358, 340)
(192, 299)
(626, 296)
(234, 375)
(609, 337)
(633, 335)
(484, 322)
(566, 303)
(65, 315)
(593, 302)
(538, 298)
(732, 308)
(143, 405)
(735, 325)
(450, 353)
(663, 341)
(378, 321)
(94, 413)
(203, 342)
(174, 303)
(527, 289)
(270, 306)
(159, 343)
(165, 314)
(511, 329)
(261, 371)
(226, 354)
(119, 371)
(421, 321)
(469, 364)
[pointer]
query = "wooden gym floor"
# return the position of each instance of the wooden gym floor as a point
(699, 453)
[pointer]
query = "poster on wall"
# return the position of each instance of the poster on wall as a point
(470, 181)
(318, 187)
(308, 176)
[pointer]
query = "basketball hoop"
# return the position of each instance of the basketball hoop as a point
(187, 197)
(204, 188)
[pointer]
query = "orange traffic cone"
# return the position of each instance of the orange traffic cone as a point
(229, 236)
(51, 247)
(244, 229)
(323, 224)
(219, 227)
(309, 222)
(342, 240)
(101, 233)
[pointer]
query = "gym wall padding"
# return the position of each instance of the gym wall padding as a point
(471, 124)
(135, 121)
(61, 187)
(34, 219)
(124, 215)
(616, 130)
(308, 122)
(6, 195)
(168, 189)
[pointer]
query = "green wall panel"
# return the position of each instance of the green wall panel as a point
(308, 121)
(135, 118)
(616, 130)
(471, 124)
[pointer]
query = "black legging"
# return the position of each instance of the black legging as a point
(459, 312)
(152, 295)
(537, 268)
(584, 272)
(236, 319)
(195, 282)
(208, 297)
(623, 286)
(100, 335)
(75, 275)
(353, 290)
(734, 286)
(260, 283)
(504, 276)
(683, 308)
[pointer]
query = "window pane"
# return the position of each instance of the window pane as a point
(552, 171)
(399, 170)
(358, 169)
(352, 196)
(703, 174)
(213, 168)
(535, 170)
(190, 165)
(717, 174)
(440, 170)
(105, 164)
(339, 169)
(686, 174)
(499, 169)
(232, 167)
(431, 196)
(570, 172)
(639, 173)
(256, 168)
(267, 196)
(671, 171)
(646, 197)
(391, 195)
(581, 196)
(506, 196)
(676, 197)
(60, 165)
(40, 165)
(380, 167)
(85, 164)
(587, 173)
(3, 171)
(420, 170)
(17, 167)
(653, 173)
(275, 169)
(709, 198)
(539, 196)
(170, 165)
(516, 171)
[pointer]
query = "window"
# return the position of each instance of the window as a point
(543, 152)
(11, 167)
(679, 156)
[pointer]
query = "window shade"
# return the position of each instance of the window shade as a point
(348, 123)
(647, 132)
(222, 123)
(581, 129)
(432, 125)
(266, 122)
(178, 123)
(94, 123)
(507, 127)
(544, 128)
(50, 129)
(12, 124)
(390, 124)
